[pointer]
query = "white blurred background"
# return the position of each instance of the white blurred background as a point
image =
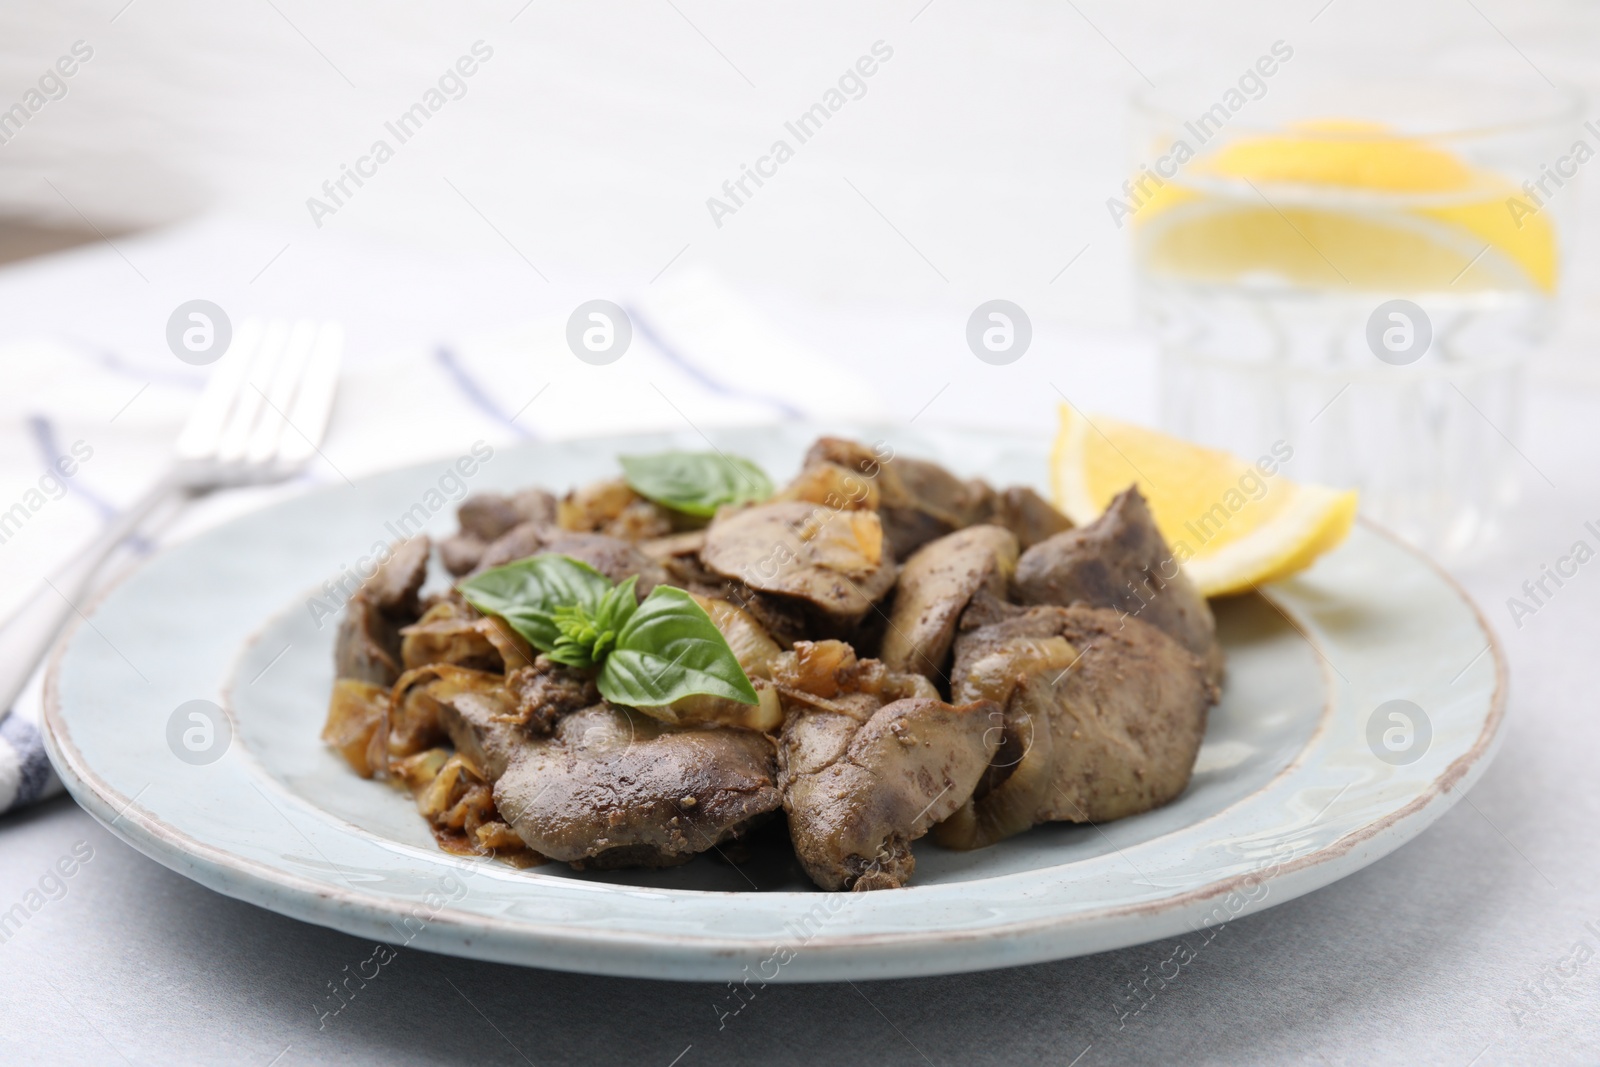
(593, 137)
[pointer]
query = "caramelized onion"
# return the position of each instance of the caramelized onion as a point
(700, 709)
(996, 675)
(356, 714)
(833, 486)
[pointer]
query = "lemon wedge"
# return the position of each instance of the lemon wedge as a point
(1232, 525)
(1345, 205)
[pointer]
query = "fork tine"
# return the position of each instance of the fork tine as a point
(247, 410)
(269, 431)
(313, 401)
(202, 433)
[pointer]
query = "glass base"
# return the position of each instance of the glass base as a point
(1429, 450)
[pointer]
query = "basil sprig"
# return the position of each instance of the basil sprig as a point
(527, 592)
(648, 653)
(695, 483)
(588, 634)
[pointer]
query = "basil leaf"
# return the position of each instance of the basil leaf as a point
(669, 649)
(651, 654)
(695, 483)
(527, 592)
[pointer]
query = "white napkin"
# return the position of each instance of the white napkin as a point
(700, 356)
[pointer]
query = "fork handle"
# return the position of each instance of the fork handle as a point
(27, 635)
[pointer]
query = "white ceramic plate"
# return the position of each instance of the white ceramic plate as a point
(1289, 793)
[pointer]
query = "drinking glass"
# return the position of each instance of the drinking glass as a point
(1358, 270)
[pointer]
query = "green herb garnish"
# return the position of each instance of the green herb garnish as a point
(586, 636)
(526, 594)
(648, 653)
(695, 483)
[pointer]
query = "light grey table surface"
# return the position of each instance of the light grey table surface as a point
(1461, 948)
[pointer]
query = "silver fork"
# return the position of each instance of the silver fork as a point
(260, 419)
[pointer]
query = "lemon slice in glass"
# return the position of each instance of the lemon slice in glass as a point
(1345, 205)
